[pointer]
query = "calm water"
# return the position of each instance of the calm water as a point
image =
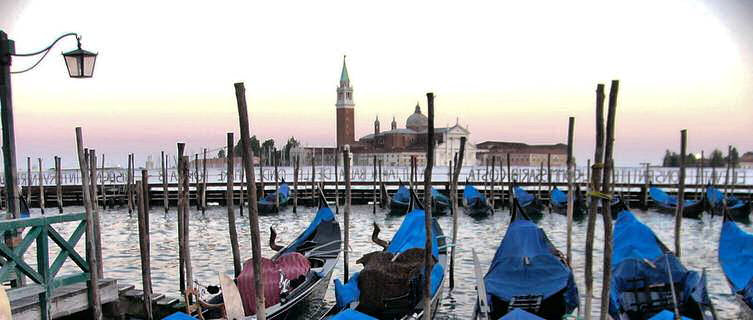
(210, 248)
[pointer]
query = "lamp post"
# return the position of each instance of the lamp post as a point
(80, 64)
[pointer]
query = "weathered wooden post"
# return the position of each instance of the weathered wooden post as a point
(428, 257)
(606, 203)
(337, 181)
(381, 195)
(277, 180)
(595, 186)
(510, 191)
(41, 185)
(93, 179)
(541, 177)
(248, 163)
(230, 209)
(680, 191)
(374, 191)
(493, 165)
(165, 193)
(197, 181)
(144, 245)
(646, 182)
(180, 208)
(28, 180)
(570, 188)
(346, 215)
(204, 183)
(91, 255)
(186, 243)
(313, 177)
(58, 184)
(129, 184)
(97, 230)
(145, 186)
(549, 174)
(454, 198)
(242, 194)
(726, 175)
(296, 163)
(103, 175)
(262, 188)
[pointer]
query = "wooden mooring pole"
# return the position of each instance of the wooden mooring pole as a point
(680, 191)
(346, 215)
(230, 209)
(97, 231)
(41, 185)
(165, 193)
(374, 187)
(91, 255)
(103, 175)
(145, 186)
(510, 191)
(197, 181)
(242, 194)
(28, 180)
(58, 184)
(606, 188)
(296, 163)
(204, 183)
(594, 187)
(337, 181)
(277, 180)
(144, 245)
(570, 188)
(493, 179)
(455, 213)
(186, 240)
(181, 207)
(129, 184)
(248, 163)
(428, 256)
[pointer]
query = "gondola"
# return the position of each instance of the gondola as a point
(527, 273)
(558, 202)
(440, 203)
(530, 203)
(738, 209)
(475, 203)
(666, 203)
(400, 201)
(410, 235)
(320, 243)
(736, 259)
(648, 280)
(267, 204)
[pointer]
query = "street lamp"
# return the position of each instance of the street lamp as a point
(80, 64)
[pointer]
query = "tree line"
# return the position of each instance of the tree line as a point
(265, 150)
(715, 159)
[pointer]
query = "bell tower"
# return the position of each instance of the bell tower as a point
(345, 109)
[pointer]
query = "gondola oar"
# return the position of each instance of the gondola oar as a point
(482, 311)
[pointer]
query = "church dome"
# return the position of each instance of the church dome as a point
(417, 121)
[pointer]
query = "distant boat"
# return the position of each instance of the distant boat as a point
(268, 205)
(668, 204)
(529, 273)
(440, 203)
(647, 278)
(400, 201)
(531, 204)
(558, 202)
(475, 203)
(738, 210)
(736, 259)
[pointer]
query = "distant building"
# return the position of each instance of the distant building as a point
(322, 155)
(522, 154)
(746, 161)
(345, 108)
(396, 146)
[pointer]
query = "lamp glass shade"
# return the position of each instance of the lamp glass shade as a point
(80, 63)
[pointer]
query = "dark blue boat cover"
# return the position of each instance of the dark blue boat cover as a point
(524, 198)
(714, 196)
(472, 196)
(558, 197)
(520, 314)
(545, 274)
(664, 199)
(666, 315)
(402, 195)
(283, 191)
(350, 314)
(438, 196)
(411, 234)
(324, 214)
(736, 259)
(638, 254)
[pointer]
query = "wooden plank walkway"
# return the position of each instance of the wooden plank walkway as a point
(66, 300)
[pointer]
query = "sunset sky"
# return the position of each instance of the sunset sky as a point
(510, 70)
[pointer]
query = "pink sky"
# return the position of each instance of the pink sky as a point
(510, 71)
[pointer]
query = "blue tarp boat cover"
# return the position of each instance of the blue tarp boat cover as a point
(324, 214)
(472, 196)
(402, 195)
(638, 254)
(736, 259)
(520, 314)
(438, 196)
(283, 191)
(664, 199)
(666, 315)
(525, 264)
(350, 314)
(411, 234)
(714, 196)
(558, 197)
(524, 198)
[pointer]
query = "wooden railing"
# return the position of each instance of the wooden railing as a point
(44, 277)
